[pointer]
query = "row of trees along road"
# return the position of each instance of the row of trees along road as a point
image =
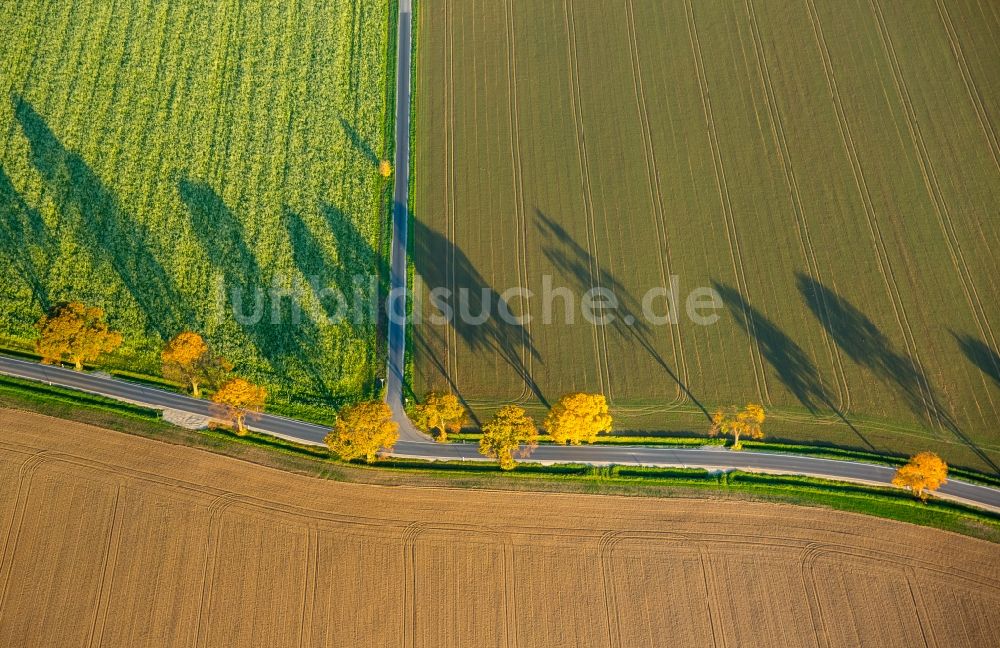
(79, 334)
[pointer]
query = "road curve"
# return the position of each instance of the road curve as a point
(715, 459)
(400, 221)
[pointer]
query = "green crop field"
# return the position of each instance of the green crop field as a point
(160, 158)
(831, 169)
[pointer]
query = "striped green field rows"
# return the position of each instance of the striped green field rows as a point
(831, 169)
(156, 155)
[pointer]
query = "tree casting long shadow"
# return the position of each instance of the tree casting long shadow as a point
(579, 265)
(794, 368)
(100, 223)
(863, 342)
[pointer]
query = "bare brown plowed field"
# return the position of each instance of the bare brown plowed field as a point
(114, 540)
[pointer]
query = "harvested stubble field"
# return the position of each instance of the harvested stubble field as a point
(156, 156)
(115, 540)
(832, 169)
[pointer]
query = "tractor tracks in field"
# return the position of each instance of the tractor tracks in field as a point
(931, 183)
(721, 183)
(656, 198)
(520, 215)
(594, 267)
(802, 222)
(882, 255)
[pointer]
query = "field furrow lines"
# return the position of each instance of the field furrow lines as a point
(108, 569)
(600, 344)
(881, 253)
(656, 199)
(732, 236)
(929, 175)
(802, 222)
(970, 84)
(517, 168)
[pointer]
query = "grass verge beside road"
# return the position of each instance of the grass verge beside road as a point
(616, 480)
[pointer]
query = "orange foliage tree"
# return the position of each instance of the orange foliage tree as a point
(237, 399)
(187, 359)
(77, 332)
(363, 430)
(511, 432)
(578, 418)
(441, 412)
(735, 422)
(924, 473)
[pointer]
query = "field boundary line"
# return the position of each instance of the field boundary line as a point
(881, 251)
(805, 239)
(732, 236)
(656, 201)
(588, 206)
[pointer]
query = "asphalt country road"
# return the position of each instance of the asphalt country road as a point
(714, 459)
(400, 222)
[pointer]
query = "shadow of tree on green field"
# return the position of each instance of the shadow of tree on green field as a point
(980, 354)
(270, 315)
(22, 234)
(99, 222)
(442, 264)
(795, 369)
(865, 344)
(629, 323)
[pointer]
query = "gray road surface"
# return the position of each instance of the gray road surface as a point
(716, 459)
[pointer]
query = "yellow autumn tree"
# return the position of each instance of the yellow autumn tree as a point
(77, 332)
(236, 400)
(441, 413)
(735, 422)
(187, 359)
(925, 472)
(578, 418)
(385, 168)
(508, 434)
(363, 431)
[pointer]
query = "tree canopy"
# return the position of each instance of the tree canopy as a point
(237, 399)
(736, 422)
(510, 432)
(186, 358)
(439, 412)
(77, 332)
(578, 418)
(362, 431)
(925, 472)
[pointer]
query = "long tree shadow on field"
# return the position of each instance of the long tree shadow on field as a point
(866, 345)
(794, 368)
(629, 322)
(22, 231)
(442, 264)
(349, 284)
(100, 223)
(980, 354)
(359, 143)
(281, 332)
